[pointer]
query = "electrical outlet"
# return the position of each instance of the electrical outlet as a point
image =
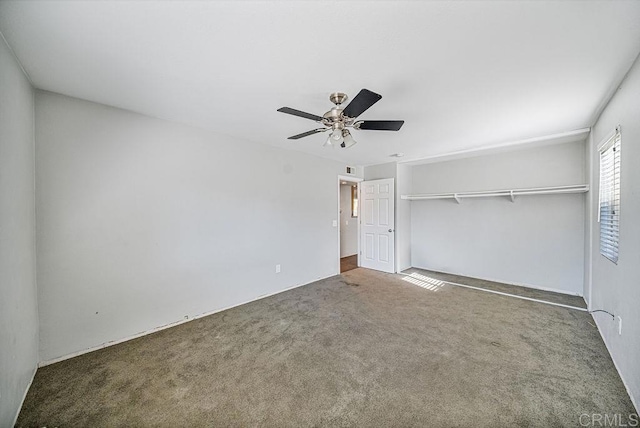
(277, 268)
(619, 325)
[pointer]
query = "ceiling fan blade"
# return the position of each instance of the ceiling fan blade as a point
(306, 134)
(381, 125)
(299, 113)
(361, 103)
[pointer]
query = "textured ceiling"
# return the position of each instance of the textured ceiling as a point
(463, 75)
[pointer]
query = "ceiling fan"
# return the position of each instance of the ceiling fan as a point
(338, 119)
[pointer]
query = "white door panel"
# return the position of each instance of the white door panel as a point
(368, 246)
(377, 225)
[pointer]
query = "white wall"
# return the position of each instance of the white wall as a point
(616, 288)
(537, 241)
(404, 185)
(142, 222)
(348, 224)
(18, 303)
(380, 171)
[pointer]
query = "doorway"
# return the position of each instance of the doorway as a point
(348, 229)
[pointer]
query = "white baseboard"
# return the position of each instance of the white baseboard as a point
(635, 403)
(173, 324)
(24, 396)
(518, 284)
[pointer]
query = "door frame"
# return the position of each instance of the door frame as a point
(348, 179)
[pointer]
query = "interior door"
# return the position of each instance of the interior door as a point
(377, 225)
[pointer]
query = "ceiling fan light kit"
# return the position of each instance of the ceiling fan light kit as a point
(338, 119)
(347, 139)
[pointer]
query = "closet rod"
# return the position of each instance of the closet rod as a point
(578, 188)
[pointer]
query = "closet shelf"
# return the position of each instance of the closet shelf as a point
(511, 193)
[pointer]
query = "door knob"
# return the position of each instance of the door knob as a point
(390, 230)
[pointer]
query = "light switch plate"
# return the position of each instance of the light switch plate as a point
(335, 223)
(619, 325)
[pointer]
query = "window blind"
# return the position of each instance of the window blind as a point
(609, 213)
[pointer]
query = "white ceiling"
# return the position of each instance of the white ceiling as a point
(463, 75)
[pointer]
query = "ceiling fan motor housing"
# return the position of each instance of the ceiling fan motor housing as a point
(335, 119)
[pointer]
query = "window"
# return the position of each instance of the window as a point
(609, 213)
(354, 200)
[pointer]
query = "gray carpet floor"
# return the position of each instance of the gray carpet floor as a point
(360, 349)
